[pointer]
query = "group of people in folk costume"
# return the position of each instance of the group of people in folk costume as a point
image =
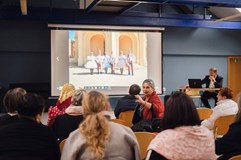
(103, 62)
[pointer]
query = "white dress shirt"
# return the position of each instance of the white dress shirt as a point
(223, 108)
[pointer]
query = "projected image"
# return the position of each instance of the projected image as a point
(102, 59)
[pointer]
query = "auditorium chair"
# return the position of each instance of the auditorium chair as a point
(61, 145)
(127, 117)
(204, 113)
(144, 139)
(120, 121)
(237, 157)
(222, 124)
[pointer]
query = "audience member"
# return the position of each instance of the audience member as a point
(213, 80)
(27, 138)
(225, 106)
(10, 102)
(63, 102)
(128, 102)
(66, 123)
(230, 144)
(98, 138)
(183, 137)
(150, 106)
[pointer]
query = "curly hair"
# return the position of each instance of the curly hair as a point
(95, 128)
(238, 115)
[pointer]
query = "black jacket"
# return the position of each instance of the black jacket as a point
(65, 124)
(217, 84)
(230, 144)
(126, 103)
(7, 119)
(26, 139)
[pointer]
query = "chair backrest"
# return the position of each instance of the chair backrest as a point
(222, 124)
(238, 157)
(120, 121)
(144, 139)
(61, 145)
(204, 113)
(127, 117)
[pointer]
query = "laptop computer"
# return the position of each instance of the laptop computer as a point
(195, 83)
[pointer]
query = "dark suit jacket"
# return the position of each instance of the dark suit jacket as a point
(217, 84)
(27, 139)
(7, 119)
(230, 144)
(126, 103)
(65, 124)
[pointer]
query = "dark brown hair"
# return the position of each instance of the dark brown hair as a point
(30, 105)
(180, 110)
(227, 92)
(134, 89)
(11, 98)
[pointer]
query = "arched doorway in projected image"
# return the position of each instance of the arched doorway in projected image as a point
(97, 42)
(125, 43)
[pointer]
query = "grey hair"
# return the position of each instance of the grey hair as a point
(150, 82)
(77, 97)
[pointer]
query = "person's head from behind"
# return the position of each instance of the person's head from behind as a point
(66, 92)
(134, 89)
(95, 127)
(11, 98)
(180, 110)
(148, 87)
(77, 97)
(31, 106)
(225, 93)
(238, 116)
(213, 71)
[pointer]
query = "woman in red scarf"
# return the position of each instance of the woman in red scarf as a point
(151, 105)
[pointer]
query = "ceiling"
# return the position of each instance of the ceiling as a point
(192, 13)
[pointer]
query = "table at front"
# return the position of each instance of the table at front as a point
(195, 93)
(183, 89)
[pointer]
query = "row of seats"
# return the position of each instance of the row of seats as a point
(220, 127)
(143, 142)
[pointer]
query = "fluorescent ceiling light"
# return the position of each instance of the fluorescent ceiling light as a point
(239, 9)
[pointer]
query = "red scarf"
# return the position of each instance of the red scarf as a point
(157, 110)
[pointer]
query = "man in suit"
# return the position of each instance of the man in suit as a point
(128, 102)
(213, 80)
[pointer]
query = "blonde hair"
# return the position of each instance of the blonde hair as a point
(95, 128)
(238, 115)
(66, 92)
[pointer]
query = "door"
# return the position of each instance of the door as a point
(234, 74)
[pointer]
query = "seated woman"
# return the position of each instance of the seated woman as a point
(150, 106)
(66, 123)
(225, 106)
(27, 138)
(183, 137)
(10, 102)
(230, 144)
(63, 102)
(99, 138)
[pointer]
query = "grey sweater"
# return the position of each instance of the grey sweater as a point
(121, 146)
